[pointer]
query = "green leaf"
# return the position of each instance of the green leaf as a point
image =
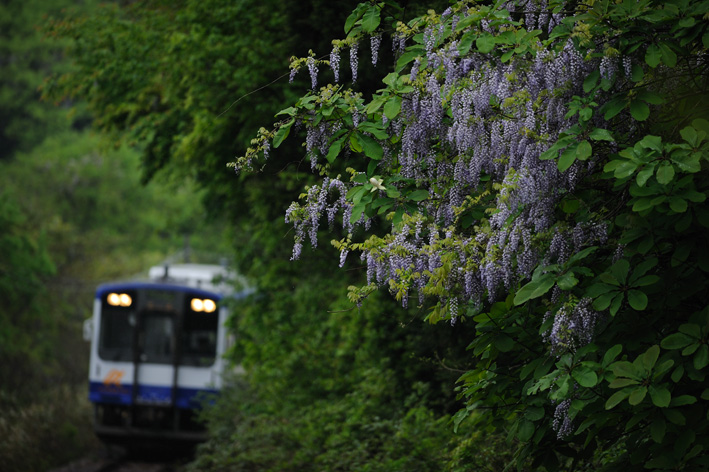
(616, 398)
(637, 299)
(687, 162)
(507, 56)
(371, 19)
(370, 146)
(622, 382)
(649, 357)
(534, 413)
(691, 349)
(485, 43)
(637, 73)
(418, 195)
(611, 354)
(626, 369)
(647, 280)
(639, 110)
(373, 128)
(392, 107)
(357, 211)
(665, 173)
(290, 111)
(535, 288)
(677, 374)
(354, 16)
(624, 169)
(669, 58)
(525, 430)
(503, 343)
(354, 142)
(676, 341)
(600, 134)
(570, 206)
(584, 150)
(651, 142)
(657, 430)
(620, 270)
(567, 158)
(591, 80)
(637, 395)
(466, 42)
(675, 416)
(701, 358)
(604, 301)
(645, 174)
(282, 133)
(653, 98)
(584, 376)
(686, 22)
(609, 279)
(691, 329)
(660, 396)
(335, 149)
(642, 204)
(683, 400)
(567, 281)
(689, 134)
(678, 205)
(614, 107)
(653, 56)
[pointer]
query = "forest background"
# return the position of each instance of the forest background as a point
(89, 197)
(540, 272)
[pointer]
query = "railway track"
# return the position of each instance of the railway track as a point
(120, 461)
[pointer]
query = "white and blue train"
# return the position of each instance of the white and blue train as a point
(157, 352)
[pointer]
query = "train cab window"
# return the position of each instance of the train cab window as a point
(199, 338)
(156, 345)
(116, 336)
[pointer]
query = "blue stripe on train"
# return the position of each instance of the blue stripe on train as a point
(147, 395)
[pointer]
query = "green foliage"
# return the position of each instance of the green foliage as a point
(57, 422)
(25, 60)
(25, 267)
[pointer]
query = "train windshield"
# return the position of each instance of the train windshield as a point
(157, 330)
(199, 347)
(117, 334)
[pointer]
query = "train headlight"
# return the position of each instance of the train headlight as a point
(113, 299)
(119, 299)
(196, 304)
(206, 305)
(209, 305)
(126, 300)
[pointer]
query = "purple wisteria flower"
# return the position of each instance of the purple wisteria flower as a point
(472, 125)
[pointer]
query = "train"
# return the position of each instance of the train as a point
(156, 354)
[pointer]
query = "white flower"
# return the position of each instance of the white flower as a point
(377, 184)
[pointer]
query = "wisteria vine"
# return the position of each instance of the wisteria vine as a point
(471, 125)
(496, 167)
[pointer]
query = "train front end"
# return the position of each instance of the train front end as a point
(156, 354)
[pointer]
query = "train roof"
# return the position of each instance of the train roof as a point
(213, 279)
